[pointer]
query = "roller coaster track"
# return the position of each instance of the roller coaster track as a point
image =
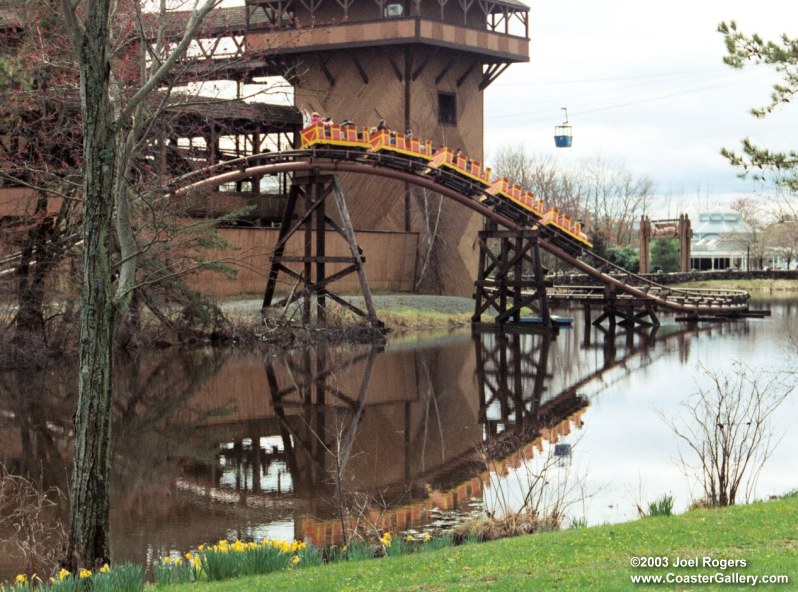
(629, 286)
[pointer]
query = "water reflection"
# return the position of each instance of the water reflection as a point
(214, 444)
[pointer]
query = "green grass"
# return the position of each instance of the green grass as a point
(765, 535)
(414, 318)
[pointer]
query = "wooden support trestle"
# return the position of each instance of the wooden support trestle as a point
(627, 312)
(306, 213)
(510, 277)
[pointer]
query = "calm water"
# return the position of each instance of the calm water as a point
(249, 444)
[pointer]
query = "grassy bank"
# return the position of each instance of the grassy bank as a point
(764, 535)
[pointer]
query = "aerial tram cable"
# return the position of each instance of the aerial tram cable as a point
(563, 136)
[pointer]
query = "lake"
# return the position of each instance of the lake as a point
(417, 436)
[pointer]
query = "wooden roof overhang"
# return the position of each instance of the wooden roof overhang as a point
(188, 116)
(492, 47)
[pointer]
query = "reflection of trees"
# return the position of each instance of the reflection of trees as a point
(36, 408)
(154, 424)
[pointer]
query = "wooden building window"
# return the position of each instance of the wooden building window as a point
(447, 108)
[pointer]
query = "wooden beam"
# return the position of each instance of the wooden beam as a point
(394, 66)
(491, 74)
(421, 67)
(467, 73)
(325, 71)
(363, 76)
(444, 72)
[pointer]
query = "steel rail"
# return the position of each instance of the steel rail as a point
(691, 301)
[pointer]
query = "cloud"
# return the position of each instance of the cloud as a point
(644, 83)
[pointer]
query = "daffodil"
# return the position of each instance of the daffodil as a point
(409, 538)
(427, 538)
(21, 579)
(105, 568)
(167, 560)
(84, 573)
(63, 574)
(295, 560)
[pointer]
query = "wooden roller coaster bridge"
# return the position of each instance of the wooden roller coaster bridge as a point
(510, 245)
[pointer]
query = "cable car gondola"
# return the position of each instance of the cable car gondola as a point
(563, 137)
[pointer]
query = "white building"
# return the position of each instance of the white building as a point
(720, 241)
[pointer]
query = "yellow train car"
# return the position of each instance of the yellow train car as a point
(565, 225)
(466, 175)
(391, 142)
(325, 135)
(504, 188)
(448, 159)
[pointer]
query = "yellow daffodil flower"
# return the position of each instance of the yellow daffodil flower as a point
(21, 579)
(63, 574)
(84, 573)
(105, 568)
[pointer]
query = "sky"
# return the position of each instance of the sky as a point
(646, 90)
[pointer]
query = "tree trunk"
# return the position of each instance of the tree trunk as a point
(88, 543)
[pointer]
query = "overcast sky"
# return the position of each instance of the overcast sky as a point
(645, 88)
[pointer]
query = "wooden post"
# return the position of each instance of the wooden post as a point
(314, 223)
(501, 283)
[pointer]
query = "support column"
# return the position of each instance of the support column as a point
(685, 243)
(313, 282)
(510, 276)
(644, 236)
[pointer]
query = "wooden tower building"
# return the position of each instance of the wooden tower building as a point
(417, 64)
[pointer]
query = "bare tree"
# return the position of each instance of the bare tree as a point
(114, 124)
(727, 430)
(752, 239)
(431, 218)
(606, 197)
(40, 149)
(782, 240)
(616, 199)
(27, 521)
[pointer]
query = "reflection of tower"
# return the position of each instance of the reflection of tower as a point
(419, 64)
(317, 452)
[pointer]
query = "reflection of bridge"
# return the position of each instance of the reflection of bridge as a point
(413, 440)
(501, 282)
(424, 451)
